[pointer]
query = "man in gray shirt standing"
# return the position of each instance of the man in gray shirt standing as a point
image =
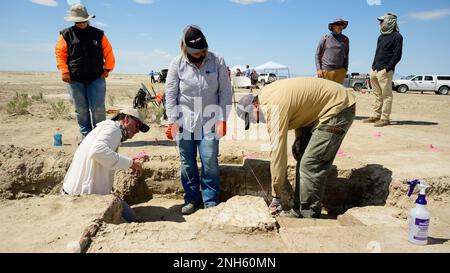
(332, 53)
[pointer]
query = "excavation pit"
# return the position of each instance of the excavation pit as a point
(26, 172)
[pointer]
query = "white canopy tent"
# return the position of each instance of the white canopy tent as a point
(273, 67)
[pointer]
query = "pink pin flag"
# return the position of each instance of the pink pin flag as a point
(434, 148)
(377, 135)
(141, 155)
(341, 153)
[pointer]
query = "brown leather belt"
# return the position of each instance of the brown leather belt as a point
(335, 130)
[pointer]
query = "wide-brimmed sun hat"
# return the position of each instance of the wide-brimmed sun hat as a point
(136, 114)
(337, 21)
(78, 14)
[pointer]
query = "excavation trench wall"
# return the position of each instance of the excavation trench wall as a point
(345, 189)
(33, 172)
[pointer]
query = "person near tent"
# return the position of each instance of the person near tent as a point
(254, 77)
(238, 72)
(248, 71)
(328, 109)
(333, 53)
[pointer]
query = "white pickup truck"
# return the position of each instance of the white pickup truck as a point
(439, 84)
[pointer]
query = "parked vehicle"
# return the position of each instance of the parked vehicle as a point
(157, 76)
(356, 81)
(439, 84)
(266, 78)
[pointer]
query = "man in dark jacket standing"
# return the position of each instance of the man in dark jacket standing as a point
(387, 56)
(85, 58)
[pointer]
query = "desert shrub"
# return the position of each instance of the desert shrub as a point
(18, 105)
(39, 97)
(152, 114)
(59, 109)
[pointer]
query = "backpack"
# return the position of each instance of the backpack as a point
(140, 100)
(346, 43)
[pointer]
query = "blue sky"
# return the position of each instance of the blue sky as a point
(145, 34)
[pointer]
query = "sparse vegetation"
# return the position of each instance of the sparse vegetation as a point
(152, 114)
(59, 109)
(18, 105)
(39, 97)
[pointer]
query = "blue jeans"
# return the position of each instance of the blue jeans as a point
(89, 102)
(127, 212)
(208, 148)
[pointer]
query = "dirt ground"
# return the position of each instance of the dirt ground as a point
(49, 224)
(370, 168)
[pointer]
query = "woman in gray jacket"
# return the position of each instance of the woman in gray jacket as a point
(198, 93)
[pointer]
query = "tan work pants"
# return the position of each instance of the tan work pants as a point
(335, 75)
(382, 89)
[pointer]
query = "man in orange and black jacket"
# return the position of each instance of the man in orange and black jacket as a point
(85, 58)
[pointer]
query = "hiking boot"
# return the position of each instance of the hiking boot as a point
(289, 214)
(382, 123)
(371, 120)
(188, 208)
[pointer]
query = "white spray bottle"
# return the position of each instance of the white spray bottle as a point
(419, 216)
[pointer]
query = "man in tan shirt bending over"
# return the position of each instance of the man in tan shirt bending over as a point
(321, 112)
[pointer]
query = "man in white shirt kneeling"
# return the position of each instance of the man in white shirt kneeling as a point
(96, 159)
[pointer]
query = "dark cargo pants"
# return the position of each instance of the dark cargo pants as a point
(316, 160)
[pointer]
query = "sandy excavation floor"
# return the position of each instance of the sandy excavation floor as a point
(369, 170)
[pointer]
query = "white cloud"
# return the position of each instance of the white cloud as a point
(73, 2)
(373, 2)
(48, 3)
(248, 2)
(431, 15)
(144, 2)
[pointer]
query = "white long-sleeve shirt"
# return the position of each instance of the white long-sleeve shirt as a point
(95, 160)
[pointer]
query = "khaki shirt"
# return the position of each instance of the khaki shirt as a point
(295, 103)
